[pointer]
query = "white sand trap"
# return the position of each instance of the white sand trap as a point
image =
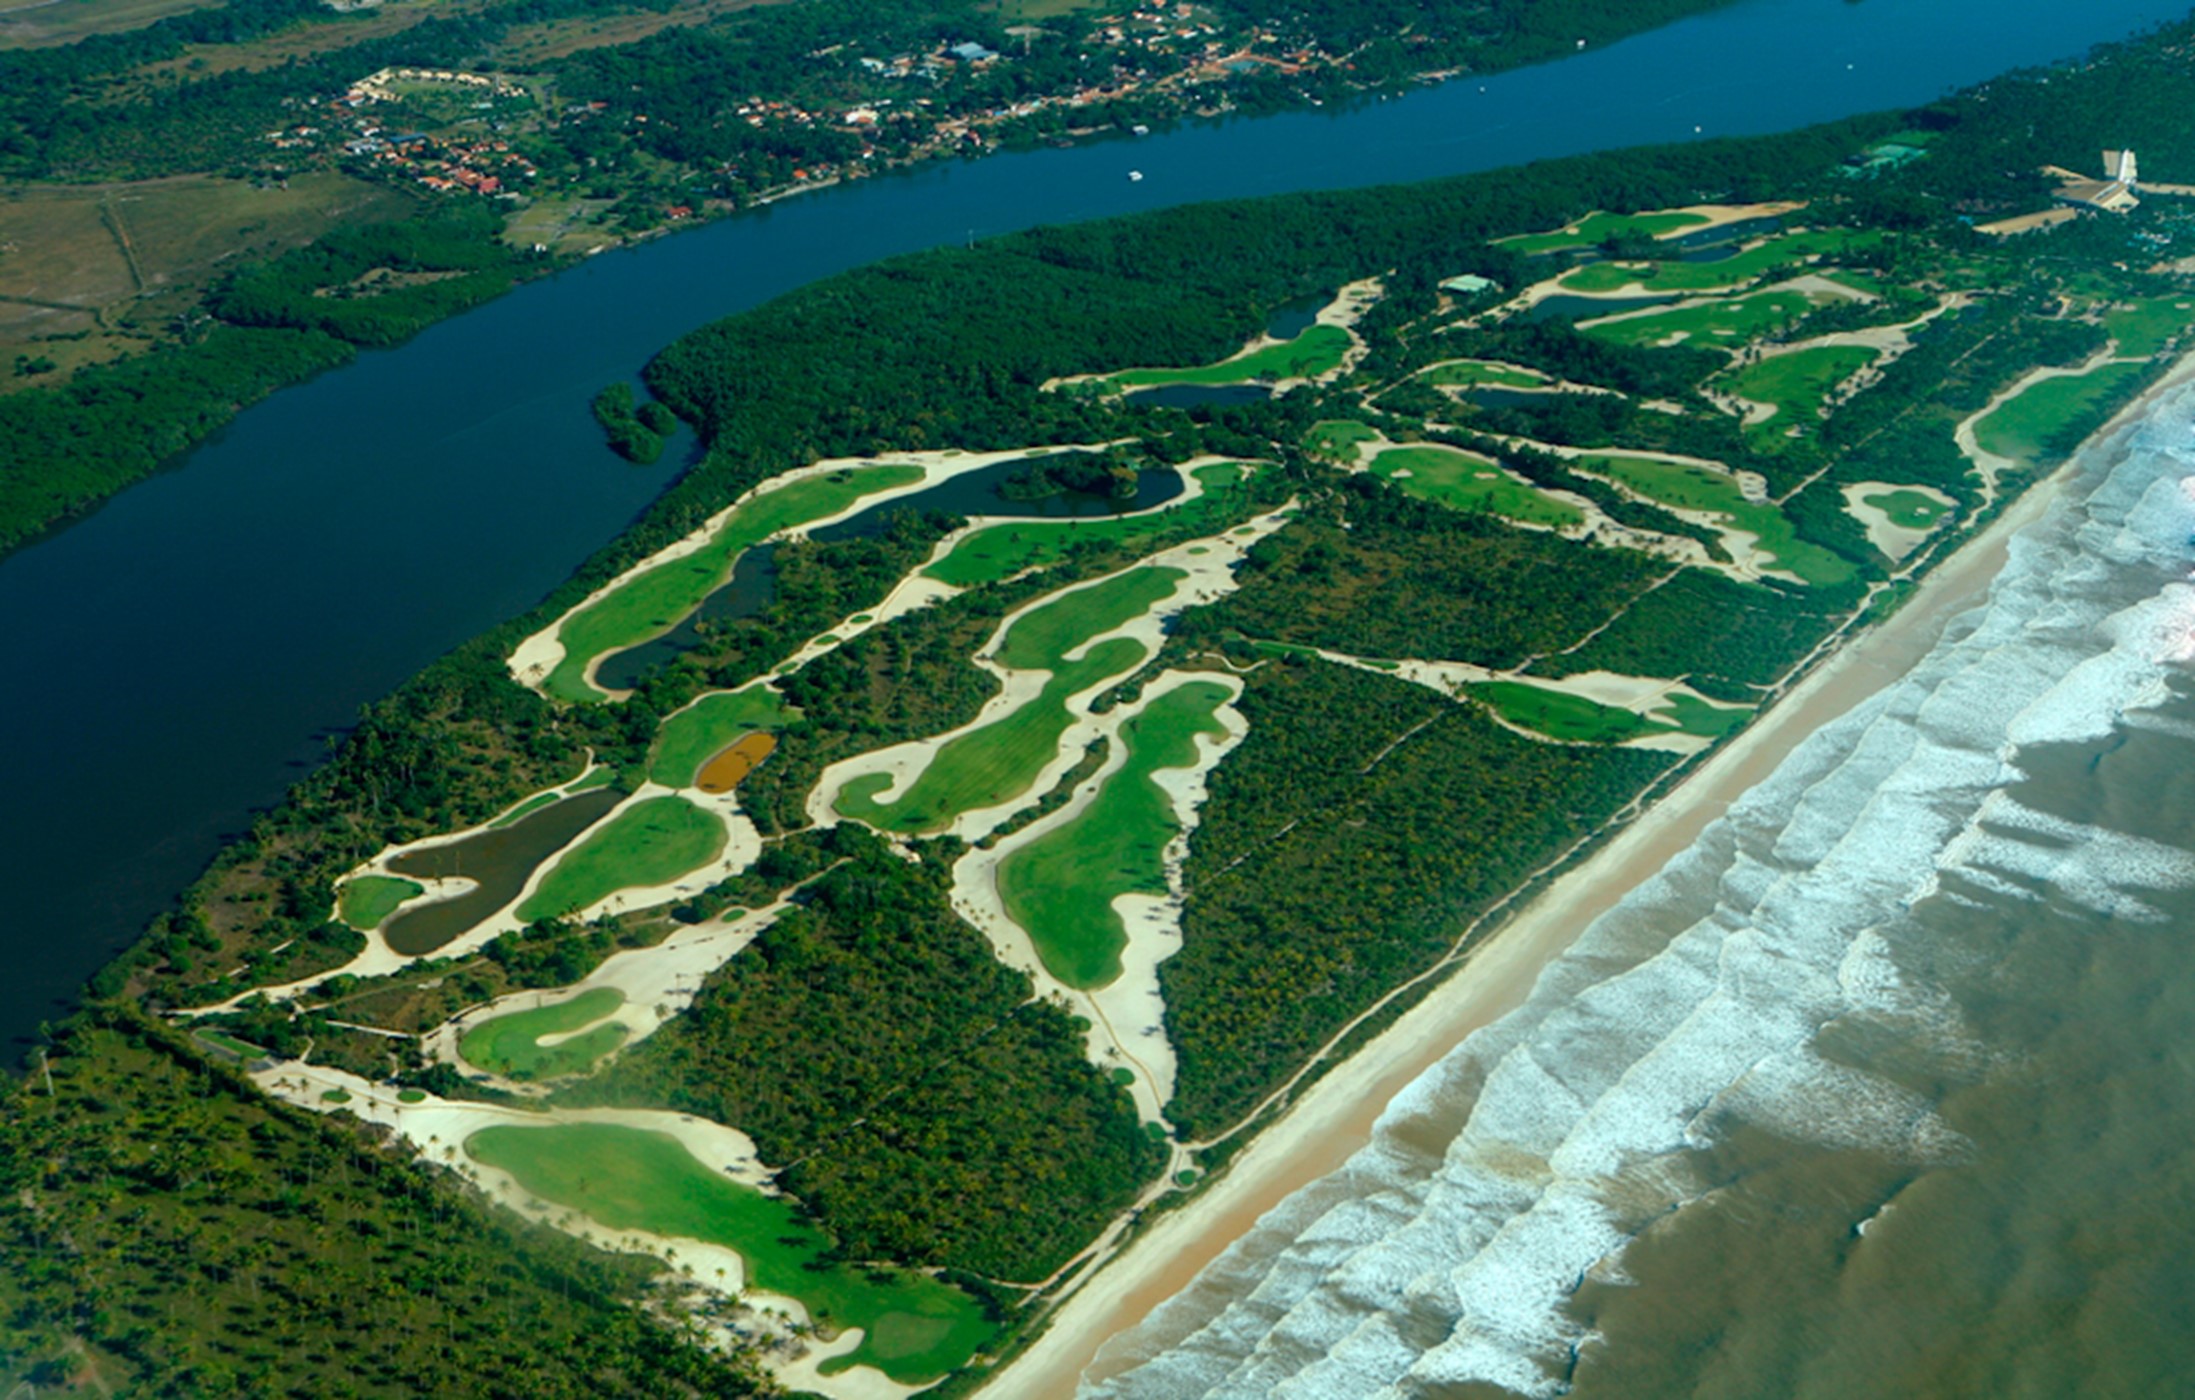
(437, 1130)
(1127, 1016)
(1208, 566)
(1894, 540)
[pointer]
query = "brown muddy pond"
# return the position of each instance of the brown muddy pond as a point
(501, 860)
(725, 771)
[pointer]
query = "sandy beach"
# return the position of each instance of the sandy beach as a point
(1334, 1118)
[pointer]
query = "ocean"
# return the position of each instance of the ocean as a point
(1881, 1088)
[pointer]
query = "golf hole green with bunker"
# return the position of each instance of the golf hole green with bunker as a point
(510, 1045)
(915, 1328)
(1060, 887)
(649, 843)
(999, 761)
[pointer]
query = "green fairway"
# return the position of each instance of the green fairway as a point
(1001, 551)
(1464, 374)
(1060, 887)
(915, 1329)
(1798, 383)
(1690, 487)
(2045, 421)
(649, 843)
(1720, 324)
(987, 766)
(1463, 482)
(651, 603)
(2143, 328)
(509, 1045)
(1314, 352)
(1696, 716)
(1736, 270)
(1562, 716)
(1908, 510)
(691, 737)
(1338, 437)
(368, 901)
(1597, 227)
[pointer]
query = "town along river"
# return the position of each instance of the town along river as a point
(183, 654)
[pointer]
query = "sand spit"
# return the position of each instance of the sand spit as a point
(1208, 566)
(1325, 1123)
(1127, 1016)
(1894, 540)
(437, 1130)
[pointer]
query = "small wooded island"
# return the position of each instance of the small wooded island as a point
(810, 1002)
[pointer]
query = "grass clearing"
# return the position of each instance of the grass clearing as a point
(1317, 350)
(649, 843)
(652, 603)
(1598, 227)
(1464, 482)
(1742, 267)
(510, 1045)
(367, 901)
(1000, 551)
(1691, 487)
(707, 727)
(1559, 715)
(915, 1329)
(1798, 384)
(987, 766)
(2050, 416)
(1721, 324)
(1061, 886)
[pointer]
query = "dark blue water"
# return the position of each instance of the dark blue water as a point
(184, 652)
(1198, 395)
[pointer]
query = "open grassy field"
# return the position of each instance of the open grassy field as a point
(1596, 227)
(2030, 429)
(1001, 551)
(1690, 487)
(1464, 482)
(1317, 350)
(987, 766)
(1471, 373)
(1908, 510)
(2146, 327)
(1721, 324)
(689, 738)
(1677, 276)
(370, 899)
(915, 1328)
(651, 603)
(1061, 886)
(1798, 383)
(649, 843)
(510, 1045)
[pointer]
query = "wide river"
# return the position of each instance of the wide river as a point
(189, 649)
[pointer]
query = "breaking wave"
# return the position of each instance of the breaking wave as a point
(1521, 1165)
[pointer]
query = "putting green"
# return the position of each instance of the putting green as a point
(510, 1045)
(649, 843)
(1908, 509)
(653, 602)
(1061, 886)
(708, 726)
(915, 1329)
(1690, 487)
(999, 761)
(1338, 437)
(1559, 715)
(1314, 352)
(367, 901)
(1462, 481)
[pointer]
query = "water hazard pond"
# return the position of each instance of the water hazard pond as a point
(499, 860)
(326, 547)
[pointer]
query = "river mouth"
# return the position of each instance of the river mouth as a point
(499, 860)
(753, 584)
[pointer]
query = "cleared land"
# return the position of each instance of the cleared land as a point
(915, 1329)
(2027, 429)
(707, 727)
(1060, 888)
(1313, 353)
(1691, 487)
(510, 1045)
(649, 843)
(651, 603)
(1001, 551)
(987, 766)
(369, 900)
(1746, 266)
(1463, 482)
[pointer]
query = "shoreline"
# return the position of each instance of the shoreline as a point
(1335, 1117)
